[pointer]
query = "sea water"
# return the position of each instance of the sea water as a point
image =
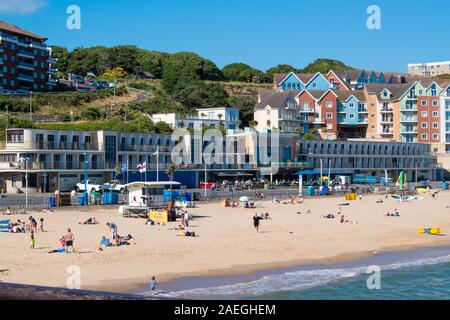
(422, 274)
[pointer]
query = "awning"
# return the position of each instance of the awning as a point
(324, 172)
(152, 184)
(234, 174)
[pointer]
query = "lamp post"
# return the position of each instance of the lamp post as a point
(25, 160)
(85, 180)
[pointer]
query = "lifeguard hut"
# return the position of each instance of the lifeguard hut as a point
(144, 197)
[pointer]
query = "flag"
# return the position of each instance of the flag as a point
(124, 168)
(156, 151)
(142, 167)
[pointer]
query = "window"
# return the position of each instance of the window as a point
(351, 116)
(435, 114)
(435, 136)
(424, 136)
(424, 125)
(352, 105)
(329, 104)
(330, 126)
(435, 103)
(435, 125)
(424, 114)
(424, 103)
(329, 115)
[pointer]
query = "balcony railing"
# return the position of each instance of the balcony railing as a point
(143, 148)
(25, 65)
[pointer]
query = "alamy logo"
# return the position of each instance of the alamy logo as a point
(374, 19)
(374, 280)
(74, 280)
(74, 19)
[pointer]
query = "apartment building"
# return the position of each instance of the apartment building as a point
(225, 117)
(370, 158)
(55, 159)
(335, 80)
(429, 69)
(26, 63)
(333, 113)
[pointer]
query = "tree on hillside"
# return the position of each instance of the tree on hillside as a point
(281, 68)
(152, 61)
(184, 68)
(325, 65)
(163, 128)
(95, 59)
(126, 57)
(62, 54)
(241, 72)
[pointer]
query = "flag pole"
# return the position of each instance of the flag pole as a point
(157, 165)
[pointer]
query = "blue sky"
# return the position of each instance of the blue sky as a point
(261, 33)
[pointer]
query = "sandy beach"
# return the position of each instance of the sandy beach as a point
(227, 242)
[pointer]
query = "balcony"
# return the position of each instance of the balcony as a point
(26, 66)
(387, 121)
(52, 70)
(25, 78)
(25, 54)
(143, 148)
(52, 60)
(408, 119)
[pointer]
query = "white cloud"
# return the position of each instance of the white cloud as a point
(21, 7)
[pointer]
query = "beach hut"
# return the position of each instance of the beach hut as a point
(145, 196)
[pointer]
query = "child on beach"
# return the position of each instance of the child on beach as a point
(153, 285)
(41, 226)
(32, 240)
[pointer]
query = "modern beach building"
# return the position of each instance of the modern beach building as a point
(55, 159)
(429, 69)
(225, 117)
(26, 62)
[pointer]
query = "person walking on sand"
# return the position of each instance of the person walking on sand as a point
(256, 220)
(112, 227)
(153, 285)
(32, 240)
(33, 224)
(41, 225)
(69, 239)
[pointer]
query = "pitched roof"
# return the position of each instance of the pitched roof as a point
(275, 99)
(316, 94)
(304, 77)
(18, 31)
(344, 95)
(397, 90)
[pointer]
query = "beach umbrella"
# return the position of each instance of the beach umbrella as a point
(243, 199)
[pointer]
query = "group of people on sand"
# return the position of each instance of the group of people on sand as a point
(66, 243)
(343, 218)
(9, 211)
(23, 227)
(394, 214)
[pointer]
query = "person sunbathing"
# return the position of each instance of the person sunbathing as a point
(343, 220)
(380, 201)
(90, 221)
(183, 233)
(329, 216)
